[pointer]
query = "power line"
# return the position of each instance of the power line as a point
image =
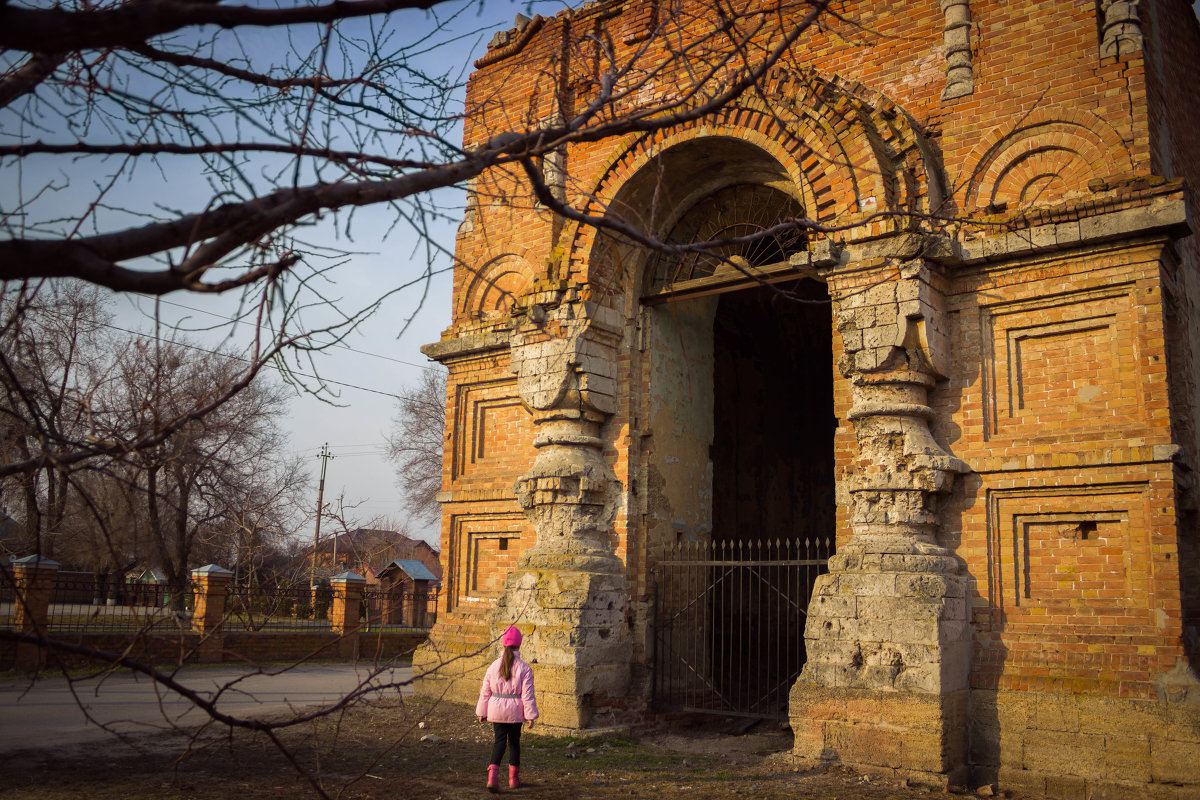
(237, 320)
(335, 446)
(243, 359)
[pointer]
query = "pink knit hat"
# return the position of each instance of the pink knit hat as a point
(511, 637)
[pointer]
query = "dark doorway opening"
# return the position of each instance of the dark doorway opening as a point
(730, 612)
(772, 448)
(773, 477)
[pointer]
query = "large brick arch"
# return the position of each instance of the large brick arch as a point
(1045, 156)
(847, 155)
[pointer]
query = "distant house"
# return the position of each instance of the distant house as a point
(406, 588)
(146, 575)
(367, 551)
(145, 586)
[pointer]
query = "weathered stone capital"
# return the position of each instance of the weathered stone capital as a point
(564, 356)
(898, 324)
(564, 352)
(894, 334)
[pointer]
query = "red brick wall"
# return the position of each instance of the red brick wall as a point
(489, 445)
(1067, 524)
(1057, 400)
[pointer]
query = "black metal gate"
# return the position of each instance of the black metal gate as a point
(729, 624)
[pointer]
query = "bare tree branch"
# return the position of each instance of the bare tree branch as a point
(56, 29)
(28, 75)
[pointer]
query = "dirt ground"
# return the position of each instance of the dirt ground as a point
(413, 749)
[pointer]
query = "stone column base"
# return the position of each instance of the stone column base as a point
(576, 638)
(915, 736)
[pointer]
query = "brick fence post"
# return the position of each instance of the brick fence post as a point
(344, 616)
(210, 585)
(34, 578)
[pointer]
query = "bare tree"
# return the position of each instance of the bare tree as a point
(153, 81)
(268, 122)
(259, 516)
(416, 443)
(193, 481)
(52, 361)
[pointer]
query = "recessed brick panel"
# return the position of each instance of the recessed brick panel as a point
(1071, 361)
(484, 547)
(490, 426)
(1077, 550)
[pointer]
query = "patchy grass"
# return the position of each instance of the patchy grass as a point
(412, 749)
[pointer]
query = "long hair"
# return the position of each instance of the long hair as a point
(506, 662)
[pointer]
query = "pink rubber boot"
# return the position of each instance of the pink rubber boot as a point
(493, 784)
(514, 781)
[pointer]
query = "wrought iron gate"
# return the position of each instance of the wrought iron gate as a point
(729, 624)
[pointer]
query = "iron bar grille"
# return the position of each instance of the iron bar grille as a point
(738, 211)
(79, 603)
(729, 623)
(278, 607)
(395, 610)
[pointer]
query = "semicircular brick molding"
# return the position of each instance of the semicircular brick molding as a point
(495, 287)
(1043, 162)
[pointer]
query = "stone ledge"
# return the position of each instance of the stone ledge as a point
(476, 495)
(1160, 216)
(471, 344)
(1078, 459)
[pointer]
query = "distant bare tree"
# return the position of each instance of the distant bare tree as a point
(54, 354)
(196, 479)
(259, 515)
(416, 443)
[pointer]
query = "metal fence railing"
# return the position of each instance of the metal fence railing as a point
(392, 609)
(278, 608)
(79, 604)
(729, 623)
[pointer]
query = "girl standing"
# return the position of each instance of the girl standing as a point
(506, 700)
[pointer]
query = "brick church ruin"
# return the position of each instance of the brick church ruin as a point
(918, 477)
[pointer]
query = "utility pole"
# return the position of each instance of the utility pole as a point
(324, 455)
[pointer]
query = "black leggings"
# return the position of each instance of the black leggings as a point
(507, 733)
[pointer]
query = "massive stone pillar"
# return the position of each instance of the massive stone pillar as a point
(568, 593)
(885, 684)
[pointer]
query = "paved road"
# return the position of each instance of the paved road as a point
(47, 714)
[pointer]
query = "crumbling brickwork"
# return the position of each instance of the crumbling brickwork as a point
(1001, 195)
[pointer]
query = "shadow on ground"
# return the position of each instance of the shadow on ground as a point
(415, 749)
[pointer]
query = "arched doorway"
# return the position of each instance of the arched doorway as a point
(738, 401)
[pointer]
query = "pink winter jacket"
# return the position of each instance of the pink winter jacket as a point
(507, 701)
